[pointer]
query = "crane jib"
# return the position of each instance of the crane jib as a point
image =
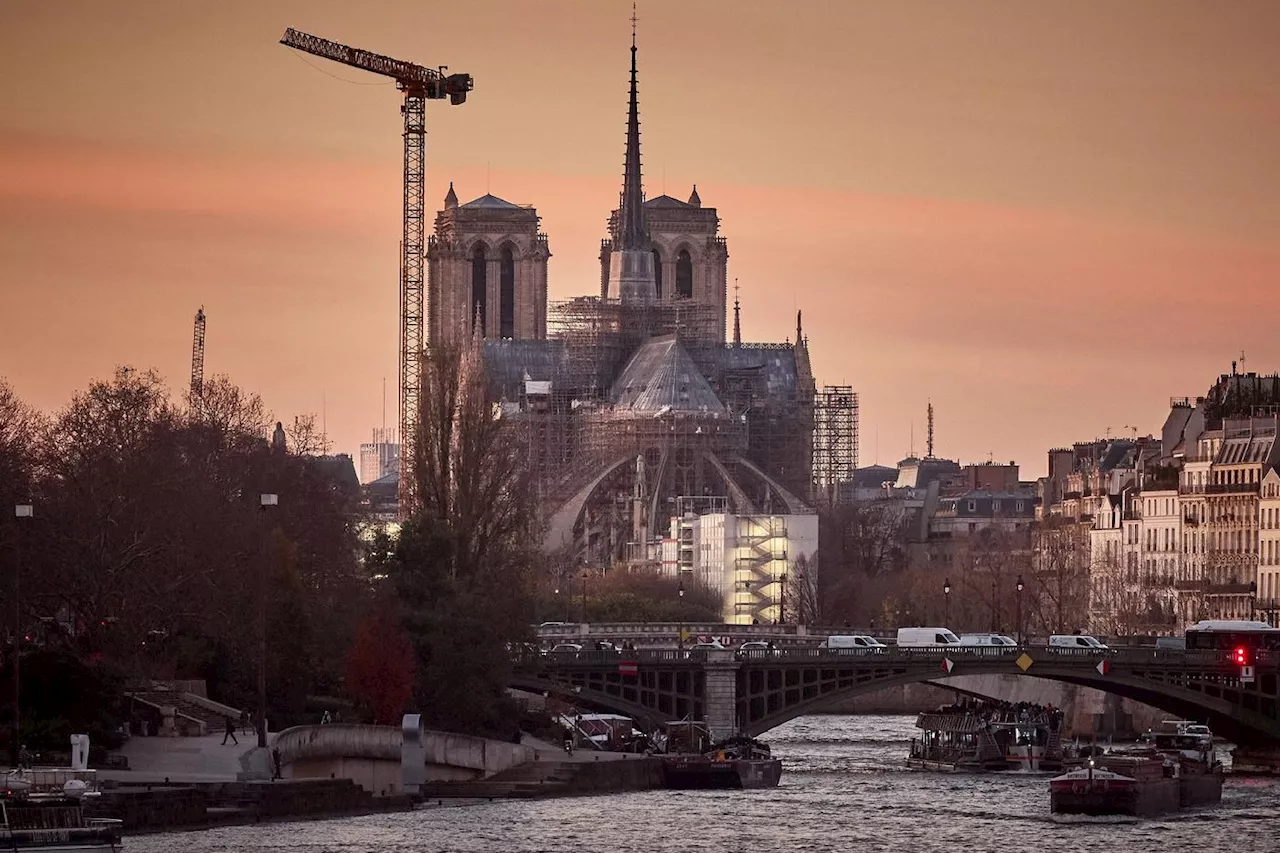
(408, 74)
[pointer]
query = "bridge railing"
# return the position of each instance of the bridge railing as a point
(1196, 658)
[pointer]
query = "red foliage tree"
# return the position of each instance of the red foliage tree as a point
(381, 666)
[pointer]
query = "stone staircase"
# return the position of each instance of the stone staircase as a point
(184, 707)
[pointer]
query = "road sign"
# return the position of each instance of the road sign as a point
(1024, 661)
(1103, 667)
(1246, 675)
(627, 667)
(947, 664)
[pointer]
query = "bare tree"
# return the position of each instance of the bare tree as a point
(305, 438)
(468, 468)
(1060, 577)
(20, 426)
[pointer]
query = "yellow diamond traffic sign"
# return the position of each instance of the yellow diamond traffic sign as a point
(1024, 661)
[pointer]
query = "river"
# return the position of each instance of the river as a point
(844, 788)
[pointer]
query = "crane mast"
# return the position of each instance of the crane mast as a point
(419, 84)
(197, 356)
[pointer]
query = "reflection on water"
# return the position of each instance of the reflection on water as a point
(844, 788)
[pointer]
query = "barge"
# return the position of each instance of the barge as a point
(738, 763)
(1174, 769)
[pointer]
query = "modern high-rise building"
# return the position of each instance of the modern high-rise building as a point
(379, 457)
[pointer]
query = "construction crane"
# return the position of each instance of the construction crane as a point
(419, 84)
(197, 356)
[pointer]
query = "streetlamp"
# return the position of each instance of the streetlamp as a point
(20, 511)
(584, 596)
(680, 626)
(1253, 598)
(946, 602)
(782, 599)
(1020, 586)
(556, 593)
(995, 590)
(264, 501)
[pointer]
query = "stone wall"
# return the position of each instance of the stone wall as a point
(371, 755)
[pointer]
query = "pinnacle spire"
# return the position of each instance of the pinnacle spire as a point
(737, 319)
(631, 230)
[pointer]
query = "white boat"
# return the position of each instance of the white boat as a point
(42, 808)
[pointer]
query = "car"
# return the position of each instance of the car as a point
(701, 649)
(987, 640)
(605, 646)
(565, 649)
(1080, 643)
(756, 648)
(853, 644)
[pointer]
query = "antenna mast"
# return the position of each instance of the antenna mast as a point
(197, 356)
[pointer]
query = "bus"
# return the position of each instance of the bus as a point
(1230, 634)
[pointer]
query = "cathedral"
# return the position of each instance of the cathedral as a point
(646, 419)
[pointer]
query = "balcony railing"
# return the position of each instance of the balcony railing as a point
(1232, 489)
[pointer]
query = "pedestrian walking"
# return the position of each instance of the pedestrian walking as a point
(246, 724)
(230, 732)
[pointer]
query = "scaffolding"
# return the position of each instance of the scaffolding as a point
(835, 440)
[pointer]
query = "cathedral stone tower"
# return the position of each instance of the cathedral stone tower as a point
(664, 250)
(486, 263)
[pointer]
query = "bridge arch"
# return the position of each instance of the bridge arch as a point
(755, 695)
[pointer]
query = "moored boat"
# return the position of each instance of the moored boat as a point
(736, 763)
(42, 808)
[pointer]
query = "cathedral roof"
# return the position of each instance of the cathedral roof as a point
(661, 377)
(488, 200)
(666, 201)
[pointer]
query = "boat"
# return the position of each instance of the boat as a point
(1116, 784)
(1191, 745)
(986, 736)
(738, 763)
(42, 808)
(1173, 769)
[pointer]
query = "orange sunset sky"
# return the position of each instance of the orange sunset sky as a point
(1046, 217)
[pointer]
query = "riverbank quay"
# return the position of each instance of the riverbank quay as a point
(203, 805)
(583, 774)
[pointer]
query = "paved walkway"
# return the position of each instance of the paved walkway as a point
(182, 759)
(555, 752)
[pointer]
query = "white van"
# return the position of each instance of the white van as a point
(853, 643)
(987, 640)
(926, 638)
(1081, 642)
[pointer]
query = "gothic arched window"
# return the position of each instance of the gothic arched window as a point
(507, 294)
(479, 287)
(684, 275)
(657, 272)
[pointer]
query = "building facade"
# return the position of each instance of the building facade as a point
(486, 265)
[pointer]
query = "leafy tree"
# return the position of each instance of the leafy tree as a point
(382, 665)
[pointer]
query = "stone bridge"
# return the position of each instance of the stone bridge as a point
(753, 692)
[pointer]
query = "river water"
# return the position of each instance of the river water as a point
(844, 788)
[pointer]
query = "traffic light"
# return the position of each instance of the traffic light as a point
(1241, 656)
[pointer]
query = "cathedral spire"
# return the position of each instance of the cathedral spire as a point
(737, 320)
(631, 230)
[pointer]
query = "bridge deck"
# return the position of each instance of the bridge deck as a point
(756, 690)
